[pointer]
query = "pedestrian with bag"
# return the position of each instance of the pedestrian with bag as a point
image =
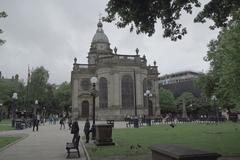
(75, 130)
(87, 130)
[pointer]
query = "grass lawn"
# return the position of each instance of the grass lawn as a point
(5, 125)
(6, 140)
(222, 138)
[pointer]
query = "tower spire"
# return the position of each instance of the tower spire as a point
(100, 25)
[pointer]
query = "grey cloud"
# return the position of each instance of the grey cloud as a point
(52, 33)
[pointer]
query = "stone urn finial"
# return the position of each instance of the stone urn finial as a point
(75, 60)
(137, 51)
(144, 57)
(115, 50)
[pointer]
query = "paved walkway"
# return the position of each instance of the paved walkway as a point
(46, 144)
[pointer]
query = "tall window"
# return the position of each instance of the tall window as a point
(103, 93)
(85, 109)
(127, 92)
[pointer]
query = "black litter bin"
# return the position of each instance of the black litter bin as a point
(136, 125)
(233, 117)
(19, 124)
(148, 121)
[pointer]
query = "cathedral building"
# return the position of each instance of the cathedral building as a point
(122, 81)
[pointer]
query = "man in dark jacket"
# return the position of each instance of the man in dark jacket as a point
(75, 130)
(34, 122)
(62, 123)
(87, 130)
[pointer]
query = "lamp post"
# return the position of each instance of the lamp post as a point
(1, 111)
(43, 115)
(148, 94)
(93, 94)
(191, 110)
(14, 98)
(220, 111)
(214, 98)
(35, 107)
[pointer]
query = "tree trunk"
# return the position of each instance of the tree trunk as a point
(184, 111)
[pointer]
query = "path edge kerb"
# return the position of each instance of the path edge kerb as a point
(22, 137)
(85, 151)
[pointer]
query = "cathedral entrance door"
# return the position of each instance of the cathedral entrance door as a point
(85, 109)
(150, 108)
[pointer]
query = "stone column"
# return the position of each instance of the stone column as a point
(156, 92)
(75, 110)
(139, 90)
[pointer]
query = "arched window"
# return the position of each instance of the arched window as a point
(127, 92)
(150, 109)
(103, 93)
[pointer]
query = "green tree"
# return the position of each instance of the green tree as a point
(206, 83)
(63, 96)
(144, 14)
(54, 98)
(188, 97)
(2, 15)
(224, 59)
(49, 99)
(38, 84)
(7, 88)
(166, 101)
(185, 102)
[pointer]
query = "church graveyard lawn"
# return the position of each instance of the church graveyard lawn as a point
(5, 125)
(223, 138)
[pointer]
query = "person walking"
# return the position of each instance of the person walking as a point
(62, 123)
(87, 130)
(75, 130)
(38, 120)
(70, 123)
(54, 119)
(50, 119)
(34, 121)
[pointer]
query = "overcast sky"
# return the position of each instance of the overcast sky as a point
(51, 33)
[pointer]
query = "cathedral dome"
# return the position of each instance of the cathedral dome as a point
(100, 36)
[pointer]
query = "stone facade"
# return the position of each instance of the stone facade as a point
(122, 81)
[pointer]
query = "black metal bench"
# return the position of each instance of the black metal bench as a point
(111, 122)
(73, 146)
